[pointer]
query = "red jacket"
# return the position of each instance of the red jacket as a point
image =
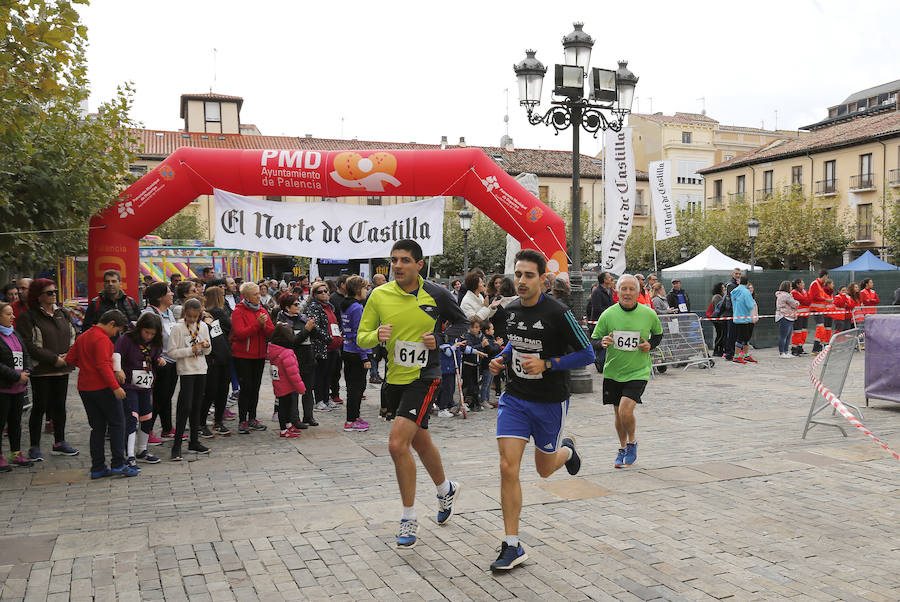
(802, 298)
(846, 303)
(869, 297)
(819, 300)
(285, 371)
(92, 353)
(248, 338)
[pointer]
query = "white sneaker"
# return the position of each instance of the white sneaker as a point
(323, 407)
(445, 414)
(331, 405)
(786, 356)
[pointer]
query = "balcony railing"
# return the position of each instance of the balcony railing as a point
(863, 181)
(826, 187)
(714, 202)
(864, 231)
(641, 210)
(763, 194)
(792, 190)
(894, 177)
(737, 197)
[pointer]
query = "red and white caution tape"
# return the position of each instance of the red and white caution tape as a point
(835, 401)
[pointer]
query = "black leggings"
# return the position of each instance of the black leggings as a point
(249, 373)
(218, 375)
(48, 394)
(308, 374)
(11, 417)
(163, 390)
(324, 370)
(355, 375)
(335, 385)
(470, 374)
(190, 402)
(721, 334)
(287, 410)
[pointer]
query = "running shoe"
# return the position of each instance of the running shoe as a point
(229, 415)
(739, 360)
(21, 461)
(408, 531)
(445, 503)
(509, 557)
(445, 414)
(573, 464)
(221, 430)
(35, 454)
(311, 422)
(63, 449)
(256, 425)
(749, 359)
(99, 474)
(176, 455)
(198, 448)
(243, 429)
(289, 434)
(4, 465)
(337, 400)
(375, 380)
(206, 433)
(331, 405)
(630, 453)
(356, 425)
(294, 429)
(323, 407)
(147, 457)
(152, 439)
(620, 459)
(132, 462)
(124, 471)
(299, 426)
(169, 434)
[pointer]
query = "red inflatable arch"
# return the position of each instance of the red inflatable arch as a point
(190, 172)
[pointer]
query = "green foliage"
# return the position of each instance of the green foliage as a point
(892, 229)
(793, 234)
(487, 246)
(57, 166)
(184, 225)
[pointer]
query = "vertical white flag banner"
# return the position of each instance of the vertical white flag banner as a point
(663, 203)
(619, 186)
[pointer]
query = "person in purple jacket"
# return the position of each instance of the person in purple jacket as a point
(356, 359)
(140, 351)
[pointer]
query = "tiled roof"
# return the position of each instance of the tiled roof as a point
(874, 91)
(548, 163)
(210, 96)
(848, 133)
(750, 130)
(684, 118)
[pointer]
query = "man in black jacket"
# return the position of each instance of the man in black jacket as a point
(112, 297)
(601, 299)
(337, 299)
(678, 298)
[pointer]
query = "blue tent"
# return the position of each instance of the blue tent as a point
(867, 262)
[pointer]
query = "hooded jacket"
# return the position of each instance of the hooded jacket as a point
(351, 312)
(285, 371)
(322, 336)
(248, 338)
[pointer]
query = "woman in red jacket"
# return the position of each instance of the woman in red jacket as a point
(868, 296)
(250, 327)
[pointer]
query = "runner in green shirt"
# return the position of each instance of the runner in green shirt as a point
(628, 331)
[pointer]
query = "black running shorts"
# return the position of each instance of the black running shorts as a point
(614, 391)
(412, 401)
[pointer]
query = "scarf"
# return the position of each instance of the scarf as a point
(6, 330)
(250, 305)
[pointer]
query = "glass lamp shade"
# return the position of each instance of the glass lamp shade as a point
(753, 227)
(465, 220)
(684, 253)
(577, 47)
(530, 75)
(626, 81)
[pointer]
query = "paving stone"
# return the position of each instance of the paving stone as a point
(23, 549)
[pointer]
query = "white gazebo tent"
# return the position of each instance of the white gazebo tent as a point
(710, 259)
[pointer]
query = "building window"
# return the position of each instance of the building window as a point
(213, 111)
(741, 185)
(137, 171)
(544, 194)
(373, 200)
(768, 181)
(865, 171)
(717, 192)
(797, 175)
(830, 172)
(639, 207)
(685, 137)
(864, 221)
(275, 198)
(728, 157)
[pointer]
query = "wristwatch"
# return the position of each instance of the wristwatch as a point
(548, 365)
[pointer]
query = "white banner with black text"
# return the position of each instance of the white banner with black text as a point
(334, 230)
(619, 186)
(663, 203)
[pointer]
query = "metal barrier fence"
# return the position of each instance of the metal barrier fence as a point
(883, 358)
(682, 344)
(833, 374)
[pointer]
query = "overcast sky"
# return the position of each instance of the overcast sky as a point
(414, 71)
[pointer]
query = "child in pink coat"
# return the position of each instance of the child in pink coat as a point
(286, 379)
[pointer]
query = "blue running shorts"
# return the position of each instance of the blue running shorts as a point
(522, 419)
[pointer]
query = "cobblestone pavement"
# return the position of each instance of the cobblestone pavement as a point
(726, 501)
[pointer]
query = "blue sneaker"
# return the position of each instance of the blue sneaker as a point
(620, 459)
(408, 530)
(146, 456)
(573, 464)
(630, 453)
(35, 454)
(445, 503)
(509, 557)
(125, 471)
(99, 474)
(63, 449)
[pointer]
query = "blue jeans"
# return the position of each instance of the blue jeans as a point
(486, 379)
(785, 329)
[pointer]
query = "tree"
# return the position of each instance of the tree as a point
(184, 225)
(58, 167)
(487, 246)
(892, 230)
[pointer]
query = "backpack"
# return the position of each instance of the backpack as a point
(720, 306)
(710, 310)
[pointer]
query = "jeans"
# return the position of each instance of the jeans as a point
(48, 393)
(785, 329)
(486, 379)
(249, 371)
(104, 412)
(470, 381)
(448, 389)
(163, 390)
(11, 417)
(190, 402)
(355, 375)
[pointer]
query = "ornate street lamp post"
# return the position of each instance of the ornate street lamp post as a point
(753, 232)
(598, 249)
(608, 90)
(465, 224)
